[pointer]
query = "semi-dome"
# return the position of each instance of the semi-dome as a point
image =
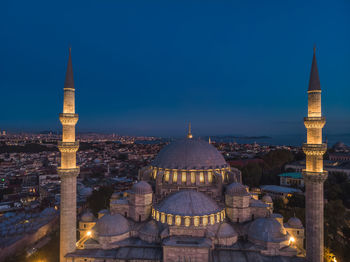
(189, 154)
(267, 230)
(112, 225)
(235, 189)
(142, 188)
(226, 230)
(188, 203)
(87, 217)
(295, 222)
(150, 228)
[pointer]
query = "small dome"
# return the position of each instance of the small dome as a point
(150, 228)
(267, 230)
(112, 225)
(236, 189)
(189, 154)
(188, 203)
(277, 216)
(226, 230)
(87, 217)
(267, 199)
(142, 188)
(295, 222)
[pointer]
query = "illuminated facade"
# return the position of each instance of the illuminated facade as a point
(314, 175)
(190, 205)
(68, 170)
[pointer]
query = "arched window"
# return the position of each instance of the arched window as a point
(183, 177)
(193, 178)
(174, 176)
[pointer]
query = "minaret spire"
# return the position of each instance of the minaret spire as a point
(314, 82)
(68, 170)
(314, 175)
(189, 135)
(69, 82)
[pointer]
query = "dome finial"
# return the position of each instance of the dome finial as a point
(189, 135)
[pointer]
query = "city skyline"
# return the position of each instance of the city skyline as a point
(150, 74)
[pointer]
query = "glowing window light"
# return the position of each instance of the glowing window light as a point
(210, 177)
(205, 220)
(178, 220)
(193, 178)
(212, 219)
(170, 219)
(167, 176)
(187, 221)
(201, 177)
(183, 178)
(196, 221)
(174, 176)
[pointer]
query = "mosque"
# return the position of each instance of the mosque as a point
(189, 205)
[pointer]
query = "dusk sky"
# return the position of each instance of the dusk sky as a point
(149, 67)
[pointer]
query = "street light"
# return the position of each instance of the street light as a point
(291, 240)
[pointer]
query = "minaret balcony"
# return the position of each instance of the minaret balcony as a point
(314, 177)
(69, 118)
(315, 149)
(314, 122)
(66, 147)
(68, 172)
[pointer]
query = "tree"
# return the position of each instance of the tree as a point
(278, 158)
(99, 199)
(296, 200)
(251, 174)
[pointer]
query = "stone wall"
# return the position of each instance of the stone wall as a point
(184, 254)
(29, 239)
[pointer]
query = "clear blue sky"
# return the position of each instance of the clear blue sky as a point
(149, 67)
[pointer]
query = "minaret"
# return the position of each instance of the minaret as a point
(189, 135)
(314, 175)
(68, 170)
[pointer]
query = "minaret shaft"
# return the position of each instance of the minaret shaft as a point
(314, 175)
(68, 170)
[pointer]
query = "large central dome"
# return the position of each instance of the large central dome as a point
(190, 154)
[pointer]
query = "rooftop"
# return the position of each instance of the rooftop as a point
(292, 175)
(280, 189)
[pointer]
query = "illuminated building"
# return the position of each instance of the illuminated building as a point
(190, 205)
